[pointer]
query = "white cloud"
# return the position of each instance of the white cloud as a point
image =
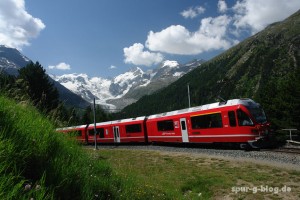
(178, 40)
(257, 14)
(60, 66)
(17, 26)
(136, 55)
(214, 33)
(193, 12)
(112, 67)
(222, 6)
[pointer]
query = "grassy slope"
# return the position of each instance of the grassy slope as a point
(36, 162)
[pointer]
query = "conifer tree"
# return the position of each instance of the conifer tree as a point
(87, 115)
(101, 115)
(41, 91)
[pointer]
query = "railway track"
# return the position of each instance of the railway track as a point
(288, 150)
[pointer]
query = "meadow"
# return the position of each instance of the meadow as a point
(169, 175)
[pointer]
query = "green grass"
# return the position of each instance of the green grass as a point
(182, 176)
(37, 162)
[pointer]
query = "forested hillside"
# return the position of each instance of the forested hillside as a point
(264, 67)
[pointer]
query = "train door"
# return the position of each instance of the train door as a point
(116, 134)
(184, 132)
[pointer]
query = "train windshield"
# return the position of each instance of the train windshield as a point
(258, 113)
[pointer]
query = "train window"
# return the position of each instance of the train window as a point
(115, 133)
(183, 127)
(232, 120)
(207, 121)
(166, 125)
(91, 132)
(101, 132)
(133, 128)
(74, 133)
(243, 118)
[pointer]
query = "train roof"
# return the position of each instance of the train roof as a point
(119, 121)
(71, 128)
(231, 102)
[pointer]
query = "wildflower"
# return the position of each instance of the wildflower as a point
(37, 187)
(27, 187)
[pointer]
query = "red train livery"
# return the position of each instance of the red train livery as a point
(238, 121)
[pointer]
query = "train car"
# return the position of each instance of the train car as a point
(104, 133)
(77, 132)
(130, 130)
(239, 121)
(125, 130)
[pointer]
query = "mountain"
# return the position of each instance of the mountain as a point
(11, 60)
(264, 67)
(126, 88)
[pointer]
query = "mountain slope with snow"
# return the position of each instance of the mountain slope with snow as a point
(11, 60)
(126, 88)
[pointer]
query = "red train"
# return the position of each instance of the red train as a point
(236, 121)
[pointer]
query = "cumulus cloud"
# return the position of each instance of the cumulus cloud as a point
(17, 26)
(193, 12)
(217, 33)
(257, 14)
(60, 66)
(176, 39)
(214, 33)
(136, 55)
(222, 6)
(112, 67)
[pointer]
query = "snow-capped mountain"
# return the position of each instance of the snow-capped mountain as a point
(11, 60)
(126, 88)
(103, 89)
(122, 83)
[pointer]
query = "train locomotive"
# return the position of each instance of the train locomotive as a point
(236, 121)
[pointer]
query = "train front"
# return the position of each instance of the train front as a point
(260, 122)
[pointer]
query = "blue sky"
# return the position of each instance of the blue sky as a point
(107, 37)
